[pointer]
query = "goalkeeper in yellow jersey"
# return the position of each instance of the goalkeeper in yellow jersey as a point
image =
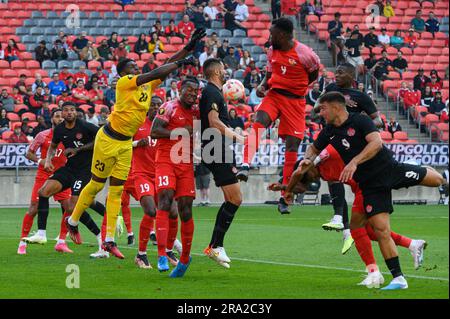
(113, 143)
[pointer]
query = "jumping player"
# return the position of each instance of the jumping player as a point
(291, 67)
(174, 171)
(113, 144)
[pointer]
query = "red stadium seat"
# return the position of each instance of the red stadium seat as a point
(394, 141)
(411, 142)
(85, 107)
(6, 135)
(431, 119)
(435, 51)
(140, 63)
(29, 81)
(13, 81)
(13, 117)
(133, 56)
(93, 64)
(33, 64)
(30, 116)
(386, 136)
(9, 73)
(33, 124)
(98, 108)
(28, 73)
(403, 136)
(18, 64)
(20, 107)
(52, 106)
(444, 137)
(4, 64)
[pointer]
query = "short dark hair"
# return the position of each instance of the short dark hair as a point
(56, 109)
(209, 65)
(333, 97)
(284, 24)
(348, 67)
(68, 103)
(122, 64)
(337, 14)
(190, 79)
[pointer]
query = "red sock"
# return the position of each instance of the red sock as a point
(126, 211)
(371, 233)
(252, 142)
(162, 230)
(63, 228)
(288, 168)
(187, 233)
(145, 228)
(103, 231)
(26, 225)
(172, 235)
(363, 246)
(401, 240)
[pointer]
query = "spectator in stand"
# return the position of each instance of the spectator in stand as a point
(318, 8)
(45, 113)
(289, 10)
(6, 101)
(335, 29)
(207, 54)
(42, 126)
(275, 8)
(172, 31)
(388, 11)
(360, 36)
(370, 63)
(123, 3)
(81, 75)
(186, 27)
(41, 52)
(56, 86)
(213, 41)
(254, 99)
(120, 53)
(65, 43)
(103, 116)
(96, 95)
(64, 74)
(310, 130)
(313, 95)
(437, 105)
(18, 98)
(371, 39)
(150, 65)
(201, 19)
(411, 39)
(38, 82)
(402, 90)
(438, 78)
(418, 23)
(172, 93)
(400, 64)
(80, 43)
(230, 61)
(444, 113)
(110, 94)
(141, 46)
(58, 52)
(434, 84)
(393, 126)
(127, 45)
(18, 136)
(324, 79)
(4, 121)
(412, 97)
(251, 66)
(383, 38)
(25, 128)
(90, 117)
(432, 24)
(81, 115)
(235, 121)
(94, 78)
(420, 81)
(89, 53)
(382, 67)
(188, 9)
(360, 88)
(102, 78)
(11, 51)
(245, 60)
(234, 18)
(252, 80)
(157, 28)
(222, 51)
(48, 97)
(2, 52)
(353, 48)
(397, 40)
(211, 10)
(64, 97)
(80, 95)
(21, 85)
(427, 97)
(37, 100)
(104, 51)
(380, 5)
(113, 42)
(155, 45)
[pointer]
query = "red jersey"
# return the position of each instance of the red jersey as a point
(288, 7)
(79, 92)
(435, 87)
(143, 162)
(176, 116)
(412, 98)
(186, 28)
(67, 98)
(82, 76)
(161, 93)
(93, 93)
(64, 75)
(102, 79)
(411, 40)
(17, 97)
(42, 141)
(290, 69)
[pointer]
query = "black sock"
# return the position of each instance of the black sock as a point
(223, 221)
(43, 207)
(337, 193)
(393, 265)
(87, 220)
(345, 216)
(98, 207)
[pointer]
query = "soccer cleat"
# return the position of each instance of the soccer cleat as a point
(22, 250)
(73, 232)
(333, 225)
(63, 248)
(142, 261)
(153, 238)
(416, 248)
(219, 255)
(396, 284)
(131, 240)
(283, 207)
(35, 239)
(348, 242)
(111, 247)
(173, 260)
(373, 280)
(119, 226)
(242, 174)
(180, 269)
(178, 246)
(163, 263)
(100, 254)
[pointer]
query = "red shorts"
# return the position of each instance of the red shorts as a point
(129, 188)
(177, 177)
(144, 185)
(290, 111)
(358, 203)
(39, 182)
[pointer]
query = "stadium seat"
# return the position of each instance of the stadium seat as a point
(52, 106)
(48, 64)
(18, 64)
(13, 117)
(20, 107)
(85, 107)
(9, 73)
(401, 136)
(431, 119)
(444, 137)
(411, 142)
(6, 135)
(28, 73)
(93, 64)
(30, 116)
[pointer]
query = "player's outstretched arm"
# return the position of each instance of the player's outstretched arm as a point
(163, 71)
(159, 129)
(32, 156)
(215, 122)
(376, 119)
(196, 36)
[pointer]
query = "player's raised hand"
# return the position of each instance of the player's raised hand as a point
(70, 152)
(187, 61)
(260, 91)
(347, 172)
(196, 36)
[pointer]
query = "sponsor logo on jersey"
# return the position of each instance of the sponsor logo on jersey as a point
(161, 111)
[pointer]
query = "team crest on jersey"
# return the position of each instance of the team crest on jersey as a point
(79, 136)
(161, 111)
(351, 131)
(129, 76)
(292, 62)
(215, 107)
(369, 208)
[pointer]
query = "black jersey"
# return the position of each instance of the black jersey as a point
(81, 134)
(350, 139)
(364, 102)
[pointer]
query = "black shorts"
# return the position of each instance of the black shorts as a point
(377, 191)
(76, 180)
(202, 181)
(224, 173)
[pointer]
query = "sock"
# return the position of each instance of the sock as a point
(393, 265)
(288, 167)
(401, 240)
(346, 233)
(337, 193)
(172, 234)
(345, 215)
(99, 241)
(27, 223)
(363, 246)
(103, 231)
(62, 227)
(144, 231)
(126, 211)
(187, 233)
(43, 207)
(162, 230)
(42, 232)
(61, 241)
(112, 209)
(87, 220)
(252, 143)
(98, 207)
(85, 199)
(223, 221)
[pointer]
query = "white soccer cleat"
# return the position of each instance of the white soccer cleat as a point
(334, 224)
(373, 280)
(219, 255)
(416, 248)
(119, 226)
(396, 284)
(178, 246)
(35, 239)
(100, 254)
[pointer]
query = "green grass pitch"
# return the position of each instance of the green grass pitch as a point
(273, 256)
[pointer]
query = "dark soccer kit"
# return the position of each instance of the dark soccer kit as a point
(223, 165)
(77, 171)
(377, 176)
(363, 102)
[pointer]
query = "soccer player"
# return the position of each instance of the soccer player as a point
(372, 166)
(113, 144)
(291, 67)
(217, 156)
(77, 137)
(174, 171)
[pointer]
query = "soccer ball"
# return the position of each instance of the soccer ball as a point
(233, 90)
